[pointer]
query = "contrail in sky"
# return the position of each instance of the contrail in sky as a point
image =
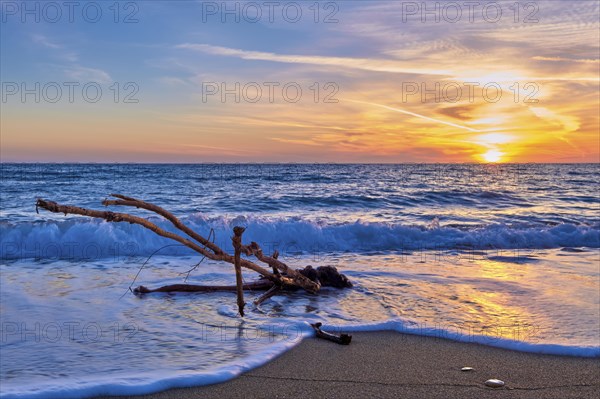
(417, 115)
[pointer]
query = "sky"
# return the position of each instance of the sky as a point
(300, 81)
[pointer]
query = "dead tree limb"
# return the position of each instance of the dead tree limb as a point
(260, 285)
(327, 275)
(342, 339)
(237, 246)
(289, 276)
(124, 217)
(129, 201)
(298, 278)
(274, 290)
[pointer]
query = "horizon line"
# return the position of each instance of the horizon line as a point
(285, 163)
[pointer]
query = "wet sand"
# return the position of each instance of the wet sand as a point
(393, 365)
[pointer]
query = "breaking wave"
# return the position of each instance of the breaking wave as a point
(81, 239)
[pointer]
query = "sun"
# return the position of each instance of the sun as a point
(492, 156)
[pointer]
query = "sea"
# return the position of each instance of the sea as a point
(506, 255)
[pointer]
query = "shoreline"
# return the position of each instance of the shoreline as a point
(390, 365)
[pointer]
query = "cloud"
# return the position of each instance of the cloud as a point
(171, 81)
(70, 56)
(80, 73)
(212, 149)
(459, 112)
(75, 72)
(439, 121)
(376, 65)
(44, 41)
(295, 141)
(563, 59)
(568, 123)
(62, 50)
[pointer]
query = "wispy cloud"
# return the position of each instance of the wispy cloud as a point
(376, 65)
(567, 124)
(295, 141)
(211, 149)
(564, 59)
(171, 81)
(80, 73)
(44, 41)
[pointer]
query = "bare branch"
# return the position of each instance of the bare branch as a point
(274, 290)
(128, 201)
(124, 217)
(237, 245)
(298, 278)
(288, 275)
(256, 286)
(342, 339)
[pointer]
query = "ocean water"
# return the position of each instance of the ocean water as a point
(503, 255)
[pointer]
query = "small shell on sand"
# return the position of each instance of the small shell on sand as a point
(494, 383)
(467, 369)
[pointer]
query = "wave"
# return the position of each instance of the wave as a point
(147, 383)
(373, 199)
(404, 327)
(84, 239)
(155, 382)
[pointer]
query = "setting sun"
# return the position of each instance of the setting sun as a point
(492, 156)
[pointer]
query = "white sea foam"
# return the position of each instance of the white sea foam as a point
(144, 383)
(83, 239)
(158, 381)
(456, 335)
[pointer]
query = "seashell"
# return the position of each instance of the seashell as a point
(494, 383)
(467, 369)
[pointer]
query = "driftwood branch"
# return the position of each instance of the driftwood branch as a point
(342, 339)
(129, 201)
(237, 246)
(280, 278)
(329, 276)
(274, 290)
(124, 217)
(255, 286)
(298, 278)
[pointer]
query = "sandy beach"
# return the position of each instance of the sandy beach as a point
(393, 365)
